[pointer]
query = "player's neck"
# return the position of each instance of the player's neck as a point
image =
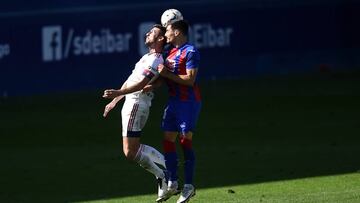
(154, 50)
(180, 42)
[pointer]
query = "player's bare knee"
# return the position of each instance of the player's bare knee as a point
(187, 135)
(170, 136)
(129, 153)
(130, 147)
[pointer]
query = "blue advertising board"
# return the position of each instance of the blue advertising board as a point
(88, 49)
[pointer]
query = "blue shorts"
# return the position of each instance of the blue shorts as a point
(180, 116)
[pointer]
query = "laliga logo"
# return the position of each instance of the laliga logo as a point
(90, 43)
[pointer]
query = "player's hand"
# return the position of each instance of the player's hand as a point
(147, 88)
(108, 108)
(162, 70)
(110, 94)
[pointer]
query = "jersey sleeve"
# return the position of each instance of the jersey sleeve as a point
(151, 70)
(193, 59)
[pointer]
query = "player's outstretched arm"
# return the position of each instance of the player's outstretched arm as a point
(113, 103)
(112, 93)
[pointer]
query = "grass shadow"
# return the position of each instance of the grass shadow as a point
(59, 148)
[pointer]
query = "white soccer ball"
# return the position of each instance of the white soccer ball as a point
(170, 16)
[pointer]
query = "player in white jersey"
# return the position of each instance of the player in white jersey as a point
(136, 107)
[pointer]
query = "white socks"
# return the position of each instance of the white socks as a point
(154, 154)
(173, 185)
(147, 163)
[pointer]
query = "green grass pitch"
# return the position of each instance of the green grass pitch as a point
(293, 139)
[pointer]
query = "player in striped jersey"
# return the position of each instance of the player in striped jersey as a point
(136, 107)
(183, 107)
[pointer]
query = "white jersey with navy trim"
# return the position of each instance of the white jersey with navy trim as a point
(136, 107)
(145, 67)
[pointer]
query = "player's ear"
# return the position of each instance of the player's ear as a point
(176, 32)
(161, 38)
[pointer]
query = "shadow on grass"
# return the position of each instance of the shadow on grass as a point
(60, 149)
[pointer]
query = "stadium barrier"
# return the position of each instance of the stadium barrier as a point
(87, 49)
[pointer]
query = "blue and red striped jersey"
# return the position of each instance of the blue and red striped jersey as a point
(178, 60)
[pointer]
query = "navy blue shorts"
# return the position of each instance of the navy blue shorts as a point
(180, 116)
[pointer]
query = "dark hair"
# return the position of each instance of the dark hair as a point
(162, 29)
(182, 26)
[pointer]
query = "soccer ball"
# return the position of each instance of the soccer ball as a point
(170, 16)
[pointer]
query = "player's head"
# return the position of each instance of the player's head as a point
(156, 36)
(177, 30)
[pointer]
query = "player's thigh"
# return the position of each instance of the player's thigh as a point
(134, 117)
(143, 115)
(168, 123)
(186, 116)
(131, 146)
(126, 112)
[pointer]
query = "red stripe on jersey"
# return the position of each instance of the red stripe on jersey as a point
(197, 92)
(184, 92)
(170, 60)
(172, 87)
(182, 63)
(176, 62)
(172, 53)
(183, 89)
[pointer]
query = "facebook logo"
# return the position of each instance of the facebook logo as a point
(52, 43)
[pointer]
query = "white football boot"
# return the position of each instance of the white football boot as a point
(173, 188)
(187, 192)
(163, 194)
(169, 190)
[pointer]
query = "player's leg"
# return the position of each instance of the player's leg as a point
(134, 119)
(189, 156)
(171, 159)
(133, 116)
(132, 150)
(154, 154)
(188, 190)
(187, 117)
(171, 166)
(168, 125)
(131, 146)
